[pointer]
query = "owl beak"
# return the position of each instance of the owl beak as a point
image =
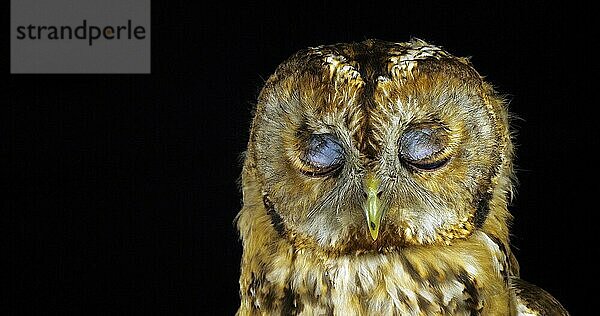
(372, 208)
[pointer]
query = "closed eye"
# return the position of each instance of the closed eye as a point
(421, 148)
(323, 154)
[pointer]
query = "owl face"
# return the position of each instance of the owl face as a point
(372, 146)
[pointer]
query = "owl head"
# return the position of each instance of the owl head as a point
(372, 146)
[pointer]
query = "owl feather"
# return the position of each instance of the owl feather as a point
(376, 182)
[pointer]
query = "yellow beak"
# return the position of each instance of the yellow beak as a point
(372, 208)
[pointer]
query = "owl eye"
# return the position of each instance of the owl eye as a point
(324, 154)
(421, 148)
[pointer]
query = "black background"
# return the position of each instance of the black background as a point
(123, 188)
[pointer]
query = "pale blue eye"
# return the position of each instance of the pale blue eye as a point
(324, 152)
(420, 147)
(418, 144)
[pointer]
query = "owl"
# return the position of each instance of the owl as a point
(376, 182)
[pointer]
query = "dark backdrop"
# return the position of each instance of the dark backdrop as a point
(123, 188)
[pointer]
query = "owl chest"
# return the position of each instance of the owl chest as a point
(378, 285)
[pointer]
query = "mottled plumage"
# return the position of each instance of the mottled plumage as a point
(376, 182)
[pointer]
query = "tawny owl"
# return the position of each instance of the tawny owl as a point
(376, 182)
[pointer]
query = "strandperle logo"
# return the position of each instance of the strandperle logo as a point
(91, 33)
(80, 36)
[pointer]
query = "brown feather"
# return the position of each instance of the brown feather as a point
(443, 243)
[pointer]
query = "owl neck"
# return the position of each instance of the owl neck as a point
(469, 276)
(281, 275)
